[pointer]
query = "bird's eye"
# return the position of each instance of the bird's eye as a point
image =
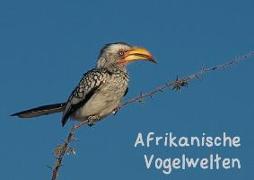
(121, 52)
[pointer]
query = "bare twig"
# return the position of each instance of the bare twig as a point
(177, 84)
(182, 82)
(60, 151)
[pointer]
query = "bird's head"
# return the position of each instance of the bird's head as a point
(120, 54)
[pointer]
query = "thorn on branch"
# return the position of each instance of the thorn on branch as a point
(203, 69)
(141, 100)
(161, 90)
(71, 150)
(168, 85)
(214, 68)
(179, 83)
(198, 76)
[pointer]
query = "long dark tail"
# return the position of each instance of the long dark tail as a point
(41, 110)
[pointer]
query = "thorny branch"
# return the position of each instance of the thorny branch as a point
(181, 82)
(177, 84)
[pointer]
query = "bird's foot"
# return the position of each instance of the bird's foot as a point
(115, 111)
(90, 124)
(91, 120)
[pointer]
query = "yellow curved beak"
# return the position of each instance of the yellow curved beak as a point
(137, 53)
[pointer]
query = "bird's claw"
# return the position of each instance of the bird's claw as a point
(115, 111)
(91, 120)
(90, 124)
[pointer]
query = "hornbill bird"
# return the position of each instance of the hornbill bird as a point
(100, 90)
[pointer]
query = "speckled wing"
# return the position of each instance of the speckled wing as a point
(86, 88)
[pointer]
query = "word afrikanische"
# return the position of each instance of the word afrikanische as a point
(170, 140)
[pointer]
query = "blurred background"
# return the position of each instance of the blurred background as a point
(46, 46)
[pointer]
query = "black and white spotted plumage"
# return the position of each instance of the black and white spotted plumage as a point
(94, 82)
